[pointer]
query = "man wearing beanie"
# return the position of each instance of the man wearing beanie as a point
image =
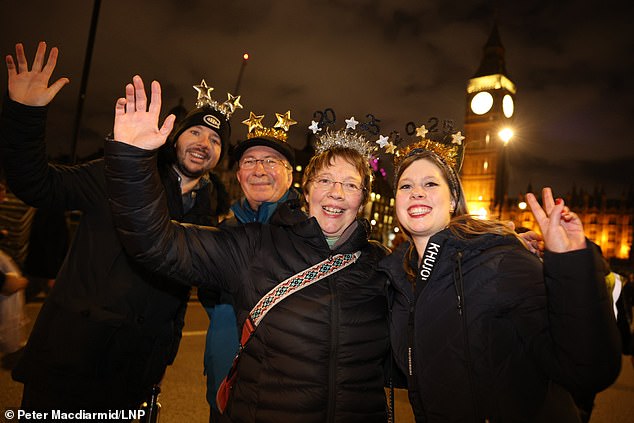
(108, 329)
(265, 172)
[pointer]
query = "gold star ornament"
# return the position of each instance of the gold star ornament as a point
(284, 121)
(253, 121)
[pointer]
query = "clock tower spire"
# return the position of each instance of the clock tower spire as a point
(489, 111)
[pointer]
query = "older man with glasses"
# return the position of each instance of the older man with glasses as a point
(265, 173)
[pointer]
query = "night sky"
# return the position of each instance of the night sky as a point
(398, 60)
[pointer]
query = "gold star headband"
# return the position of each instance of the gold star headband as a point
(448, 146)
(227, 108)
(278, 131)
(348, 137)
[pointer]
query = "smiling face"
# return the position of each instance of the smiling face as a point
(423, 200)
(333, 207)
(198, 150)
(263, 183)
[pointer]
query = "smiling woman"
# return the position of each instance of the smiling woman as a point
(336, 204)
(476, 318)
(317, 356)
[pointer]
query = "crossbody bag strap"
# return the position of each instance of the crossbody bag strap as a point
(291, 285)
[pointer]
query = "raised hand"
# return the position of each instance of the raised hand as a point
(561, 229)
(30, 87)
(135, 122)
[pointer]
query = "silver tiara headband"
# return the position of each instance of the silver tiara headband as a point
(349, 137)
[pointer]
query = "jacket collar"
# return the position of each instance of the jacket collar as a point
(310, 230)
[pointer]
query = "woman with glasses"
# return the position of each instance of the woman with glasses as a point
(317, 355)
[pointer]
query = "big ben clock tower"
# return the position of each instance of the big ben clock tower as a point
(490, 109)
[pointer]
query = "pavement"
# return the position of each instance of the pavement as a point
(183, 389)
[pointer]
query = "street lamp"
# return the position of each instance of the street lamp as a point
(505, 135)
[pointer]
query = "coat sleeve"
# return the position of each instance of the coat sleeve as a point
(190, 254)
(582, 323)
(563, 314)
(29, 175)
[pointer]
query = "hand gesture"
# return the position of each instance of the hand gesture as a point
(561, 229)
(13, 282)
(137, 124)
(30, 87)
(533, 241)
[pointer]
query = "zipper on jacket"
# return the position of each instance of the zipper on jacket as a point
(410, 339)
(458, 283)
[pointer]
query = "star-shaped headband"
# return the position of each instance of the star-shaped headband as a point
(447, 145)
(227, 108)
(278, 131)
(348, 137)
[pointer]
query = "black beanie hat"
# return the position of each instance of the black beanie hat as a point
(204, 116)
(281, 146)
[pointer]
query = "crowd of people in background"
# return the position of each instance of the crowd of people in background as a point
(457, 314)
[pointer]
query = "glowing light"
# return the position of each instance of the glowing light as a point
(481, 213)
(245, 56)
(482, 103)
(522, 205)
(396, 230)
(298, 168)
(505, 135)
(507, 106)
(625, 251)
(488, 82)
(372, 222)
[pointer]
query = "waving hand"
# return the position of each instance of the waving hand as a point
(136, 123)
(30, 87)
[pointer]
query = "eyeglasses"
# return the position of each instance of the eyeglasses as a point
(348, 187)
(266, 163)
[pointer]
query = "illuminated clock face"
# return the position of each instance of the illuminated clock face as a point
(481, 103)
(507, 106)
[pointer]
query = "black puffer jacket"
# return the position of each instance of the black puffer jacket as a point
(109, 327)
(491, 327)
(317, 356)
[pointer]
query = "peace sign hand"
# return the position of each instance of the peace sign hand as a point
(562, 229)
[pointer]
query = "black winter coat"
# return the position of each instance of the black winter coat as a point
(317, 355)
(490, 328)
(108, 328)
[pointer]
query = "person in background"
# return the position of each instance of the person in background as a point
(624, 319)
(108, 328)
(483, 330)
(265, 172)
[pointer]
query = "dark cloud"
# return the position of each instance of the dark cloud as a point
(402, 60)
